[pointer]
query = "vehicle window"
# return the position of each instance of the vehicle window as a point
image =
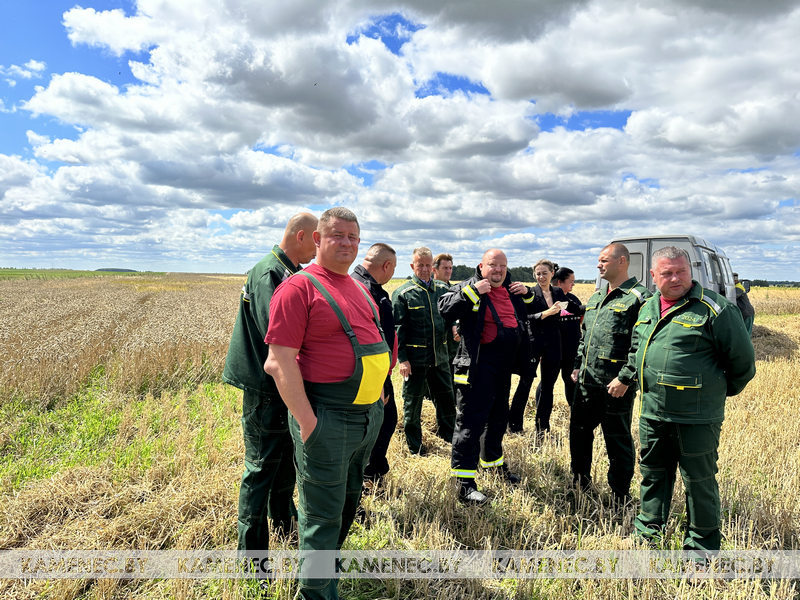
(707, 260)
(726, 266)
(636, 268)
(713, 269)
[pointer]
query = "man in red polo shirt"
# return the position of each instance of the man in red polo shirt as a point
(329, 359)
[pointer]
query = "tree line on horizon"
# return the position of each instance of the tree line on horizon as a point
(462, 272)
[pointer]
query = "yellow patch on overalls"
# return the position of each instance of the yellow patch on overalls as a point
(376, 367)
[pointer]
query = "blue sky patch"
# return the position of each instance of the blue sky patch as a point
(644, 181)
(282, 150)
(365, 171)
(15, 136)
(749, 170)
(219, 229)
(789, 202)
(29, 32)
(393, 30)
(444, 84)
(225, 213)
(584, 119)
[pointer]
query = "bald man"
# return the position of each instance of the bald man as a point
(490, 310)
(376, 271)
(269, 476)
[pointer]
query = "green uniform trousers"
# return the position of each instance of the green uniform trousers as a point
(439, 380)
(593, 406)
(268, 479)
(330, 471)
(666, 447)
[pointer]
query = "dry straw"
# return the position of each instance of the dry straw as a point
(164, 472)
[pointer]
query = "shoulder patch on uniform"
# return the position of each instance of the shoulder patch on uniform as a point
(637, 293)
(405, 287)
(715, 308)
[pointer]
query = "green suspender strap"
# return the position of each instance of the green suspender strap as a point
(371, 365)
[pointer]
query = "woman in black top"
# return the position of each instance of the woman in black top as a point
(570, 327)
(545, 337)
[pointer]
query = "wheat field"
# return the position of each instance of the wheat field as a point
(116, 432)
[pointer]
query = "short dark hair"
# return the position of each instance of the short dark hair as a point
(439, 258)
(337, 212)
(379, 252)
(619, 250)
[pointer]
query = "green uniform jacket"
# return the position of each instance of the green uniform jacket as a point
(244, 365)
(607, 331)
(690, 359)
(421, 335)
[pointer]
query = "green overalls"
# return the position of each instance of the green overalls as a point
(688, 360)
(330, 463)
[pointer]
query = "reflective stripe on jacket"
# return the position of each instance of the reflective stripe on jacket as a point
(463, 303)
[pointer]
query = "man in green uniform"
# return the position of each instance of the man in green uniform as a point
(269, 478)
(422, 352)
(692, 350)
(606, 387)
(443, 270)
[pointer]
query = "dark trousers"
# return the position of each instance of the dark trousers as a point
(330, 472)
(549, 367)
(269, 475)
(482, 410)
(378, 466)
(440, 383)
(666, 447)
(592, 407)
(567, 366)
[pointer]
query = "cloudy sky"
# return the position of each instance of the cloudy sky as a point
(180, 136)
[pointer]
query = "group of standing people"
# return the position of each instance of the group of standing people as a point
(313, 351)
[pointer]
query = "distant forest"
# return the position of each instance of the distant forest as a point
(462, 272)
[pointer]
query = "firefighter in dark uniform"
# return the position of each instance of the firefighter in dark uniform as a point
(743, 302)
(692, 350)
(269, 477)
(377, 269)
(606, 386)
(490, 310)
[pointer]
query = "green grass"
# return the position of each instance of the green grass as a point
(37, 442)
(11, 273)
(41, 442)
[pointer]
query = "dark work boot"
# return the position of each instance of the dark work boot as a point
(468, 492)
(508, 476)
